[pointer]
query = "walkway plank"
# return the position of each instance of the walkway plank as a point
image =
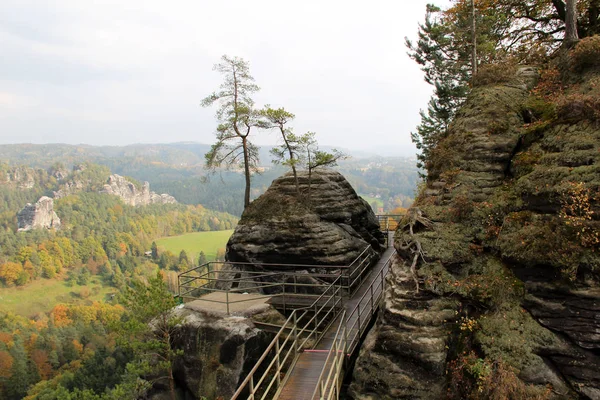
(302, 379)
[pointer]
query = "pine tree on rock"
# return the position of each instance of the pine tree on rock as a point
(237, 120)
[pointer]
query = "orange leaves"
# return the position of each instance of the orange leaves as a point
(6, 362)
(9, 272)
(577, 213)
(40, 358)
(60, 313)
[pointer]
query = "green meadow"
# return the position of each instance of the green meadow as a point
(372, 200)
(43, 294)
(194, 243)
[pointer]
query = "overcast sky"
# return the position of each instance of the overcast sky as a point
(134, 71)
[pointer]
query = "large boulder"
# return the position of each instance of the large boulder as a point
(326, 224)
(218, 350)
(38, 215)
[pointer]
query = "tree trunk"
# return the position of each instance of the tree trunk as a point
(571, 36)
(473, 40)
(246, 172)
(287, 144)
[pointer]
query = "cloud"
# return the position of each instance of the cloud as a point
(117, 72)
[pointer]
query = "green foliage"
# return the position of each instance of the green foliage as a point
(513, 336)
(237, 117)
(476, 378)
(148, 328)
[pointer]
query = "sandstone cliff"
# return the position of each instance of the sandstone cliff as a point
(132, 195)
(38, 215)
(509, 295)
(331, 226)
(20, 177)
(218, 350)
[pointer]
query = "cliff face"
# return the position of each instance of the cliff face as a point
(38, 215)
(508, 295)
(130, 194)
(218, 350)
(20, 177)
(331, 226)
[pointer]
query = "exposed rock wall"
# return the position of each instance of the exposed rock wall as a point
(218, 351)
(330, 226)
(503, 273)
(21, 177)
(130, 194)
(38, 215)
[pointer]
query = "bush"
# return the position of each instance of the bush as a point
(577, 107)
(476, 378)
(492, 74)
(587, 53)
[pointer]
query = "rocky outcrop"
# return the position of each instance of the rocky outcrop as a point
(38, 215)
(508, 279)
(404, 355)
(69, 188)
(330, 226)
(218, 350)
(20, 177)
(134, 196)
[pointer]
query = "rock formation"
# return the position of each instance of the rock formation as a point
(218, 350)
(20, 177)
(331, 226)
(130, 194)
(508, 267)
(38, 215)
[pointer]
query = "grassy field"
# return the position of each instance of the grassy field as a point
(42, 295)
(372, 200)
(194, 243)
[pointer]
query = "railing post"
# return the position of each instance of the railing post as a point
(284, 297)
(316, 322)
(359, 327)
(251, 388)
(277, 364)
(227, 300)
(295, 333)
(371, 299)
(345, 322)
(382, 281)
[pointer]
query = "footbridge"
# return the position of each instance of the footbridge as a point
(328, 309)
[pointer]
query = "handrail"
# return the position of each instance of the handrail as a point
(352, 273)
(329, 383)
(295, 317)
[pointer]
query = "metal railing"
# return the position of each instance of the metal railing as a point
(351, 329)
(194, 283)
(330, 379)
(390, 222)
(304, 327)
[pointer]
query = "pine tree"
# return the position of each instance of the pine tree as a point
(154, 250)
(237, 118)
(202, 259)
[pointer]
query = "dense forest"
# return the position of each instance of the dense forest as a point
(178, 169)
(74, 345)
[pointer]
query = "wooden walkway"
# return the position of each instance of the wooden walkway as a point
(302, 380)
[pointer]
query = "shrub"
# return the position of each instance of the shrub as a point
(577, 107)
(477, 378)
(587, 53)
(491, 74)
